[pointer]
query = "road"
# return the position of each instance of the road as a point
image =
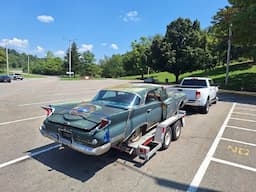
(216, 152)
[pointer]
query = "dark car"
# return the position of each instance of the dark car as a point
(117, 114)
(5, 78)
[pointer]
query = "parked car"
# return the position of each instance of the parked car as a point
(5, 78)
(150, 80)
(115, 115)
(201, 92)
(17, 76)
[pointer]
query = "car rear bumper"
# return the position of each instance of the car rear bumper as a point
(194, 103)
(75, 145)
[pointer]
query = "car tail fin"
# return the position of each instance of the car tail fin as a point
(49, 110)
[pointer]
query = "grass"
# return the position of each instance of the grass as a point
(242, 76)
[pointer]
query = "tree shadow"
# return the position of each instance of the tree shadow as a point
(243, 99)
(82, 167)
(222, 70)
(239, 82)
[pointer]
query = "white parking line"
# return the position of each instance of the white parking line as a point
(20, 120)
(241, 128)
(246, 105)
(204, 165)
(236, 141)
(233, 164)
(239, 119)
(43, 102)
(28, 156)
(250, 114)
(247, 109)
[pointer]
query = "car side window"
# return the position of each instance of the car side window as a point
(151, 97)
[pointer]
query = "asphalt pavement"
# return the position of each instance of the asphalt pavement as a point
(216, 152)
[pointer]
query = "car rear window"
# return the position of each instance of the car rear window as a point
(194, 82)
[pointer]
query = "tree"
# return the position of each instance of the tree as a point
(2, 59)
(88, 66)
(136, 61)
(75, 59)
(112, 67)
(183, 47)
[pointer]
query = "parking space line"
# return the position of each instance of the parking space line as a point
(28, 156)
(241, 128)
(249, 120)
(20, 120)
(43, 102)
(246, 105)
(237, 141)
(242, 108)
(204, 165)
(233, 164)
(250, 114)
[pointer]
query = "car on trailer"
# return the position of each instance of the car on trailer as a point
(116, 115)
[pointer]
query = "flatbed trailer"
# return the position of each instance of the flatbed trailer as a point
(157, 138)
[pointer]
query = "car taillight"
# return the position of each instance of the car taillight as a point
(198, 94)
(48, 110)
(103, 123)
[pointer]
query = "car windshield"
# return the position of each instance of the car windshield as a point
(116, 98)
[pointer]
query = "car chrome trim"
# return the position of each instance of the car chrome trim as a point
(76, 146)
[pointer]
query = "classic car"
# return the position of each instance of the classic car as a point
(115, 115)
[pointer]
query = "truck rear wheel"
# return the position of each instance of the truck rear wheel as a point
(176, 130)
(167, 139)
(205, 108)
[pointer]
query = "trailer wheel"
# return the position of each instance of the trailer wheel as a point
(176, 131)
(167, 139)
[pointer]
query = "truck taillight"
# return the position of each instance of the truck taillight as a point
(48, 110)
(198, 94)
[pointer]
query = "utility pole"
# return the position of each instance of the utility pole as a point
(228, 53)
(7, 59)
(69, 69)
(28, 64)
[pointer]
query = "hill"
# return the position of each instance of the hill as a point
(242, 76)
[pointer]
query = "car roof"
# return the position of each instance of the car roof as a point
(199, 78)
(135, 88)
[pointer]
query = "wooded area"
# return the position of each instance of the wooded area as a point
(183, 48)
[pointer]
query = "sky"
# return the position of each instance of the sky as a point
(102, 27)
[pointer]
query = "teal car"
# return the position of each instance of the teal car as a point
(115, 115)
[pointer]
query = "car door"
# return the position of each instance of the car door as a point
(153, 108)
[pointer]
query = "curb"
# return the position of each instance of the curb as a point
(248, 93)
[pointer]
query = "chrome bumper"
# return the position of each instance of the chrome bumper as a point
(75, 145)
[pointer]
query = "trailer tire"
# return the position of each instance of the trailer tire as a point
(176, 130)
(167, 139)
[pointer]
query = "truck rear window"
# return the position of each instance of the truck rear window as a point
(194, 82)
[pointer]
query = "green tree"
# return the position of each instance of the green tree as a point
(136, 61)
(184, 39)
(2, 59)
(75, 60)
(112, 67)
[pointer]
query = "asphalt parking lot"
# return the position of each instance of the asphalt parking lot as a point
(216, 152)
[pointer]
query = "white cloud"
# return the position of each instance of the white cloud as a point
(114, 46)
(104, 44)
(15, 42)
(59, 53)
(131, 16)
(39, 49)
(85, 47)
(45, 18)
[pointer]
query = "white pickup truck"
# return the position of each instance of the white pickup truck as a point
(201, 92)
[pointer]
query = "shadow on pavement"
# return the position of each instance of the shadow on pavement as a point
(243, 99)
(82, 167)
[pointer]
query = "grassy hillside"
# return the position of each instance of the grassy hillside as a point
(242, 76)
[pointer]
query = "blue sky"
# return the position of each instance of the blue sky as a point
(103, 27)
